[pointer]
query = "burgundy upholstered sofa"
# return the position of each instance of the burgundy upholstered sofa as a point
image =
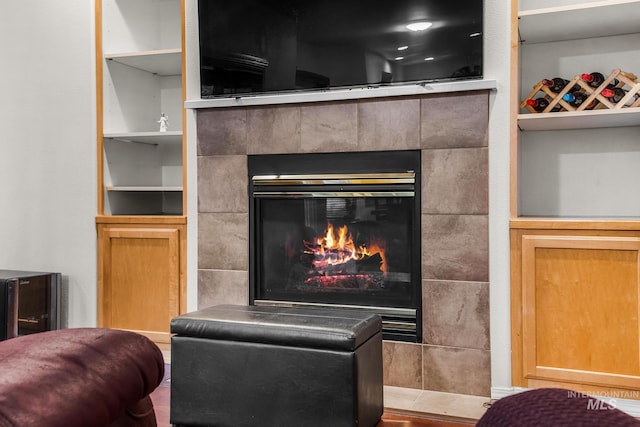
(79, 377)
(555, 407)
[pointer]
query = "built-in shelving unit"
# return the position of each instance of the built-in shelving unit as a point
(141, 221)
(141, 79)
(575, 208)
(576, 164)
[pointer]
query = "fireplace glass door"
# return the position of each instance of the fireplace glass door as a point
(346, 250)
(347, 240)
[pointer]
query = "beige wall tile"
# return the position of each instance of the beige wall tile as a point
(329, 126)
(455, 313)
(222, 184)
(402, 364)
(457, 370)
(223, 241)
(273, 130)
(455, 247)
(455, 181)
(458, 119)
(222, 287)
(222, 131)
(389, 124)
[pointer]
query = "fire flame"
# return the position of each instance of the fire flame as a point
(337, 248)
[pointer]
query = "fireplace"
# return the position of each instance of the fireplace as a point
(338, 229)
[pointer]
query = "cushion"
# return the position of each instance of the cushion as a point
(295, 326)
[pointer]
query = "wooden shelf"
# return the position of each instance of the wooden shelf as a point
(588, 20)
(575, 223)
(172, 137)
(146, 188)
(579, 119)
(141, 219)
(164, 62)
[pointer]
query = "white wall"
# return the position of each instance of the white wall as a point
(497, 45)
(48, 146)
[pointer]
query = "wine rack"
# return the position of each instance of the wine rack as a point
(625, 80)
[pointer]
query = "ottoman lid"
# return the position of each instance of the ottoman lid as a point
(292, 326)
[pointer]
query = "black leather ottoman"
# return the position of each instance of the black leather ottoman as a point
(270, 366)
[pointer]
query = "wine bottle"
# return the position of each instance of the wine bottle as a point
(575, 99)
(594, 79)
(615, 94)
(556, 84)
(539, 104)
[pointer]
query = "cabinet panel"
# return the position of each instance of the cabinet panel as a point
(575, 304)
(141, 283)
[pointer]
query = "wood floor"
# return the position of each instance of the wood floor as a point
(160, 399)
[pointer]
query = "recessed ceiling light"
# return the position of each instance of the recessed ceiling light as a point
(403, 48)
(419, 26)
(399, 58)
(429, 58)
(474, 34)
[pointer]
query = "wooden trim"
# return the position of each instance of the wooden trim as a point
(530, 243)
(513, 112)
(574, 224)
(585, 388)
(110, 219)
(99, 106)
(517, 376)
(586, 377)
(156, 337)
(102, 248)
(184, 110)
(182, 288)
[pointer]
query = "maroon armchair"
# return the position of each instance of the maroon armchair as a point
(82, 377)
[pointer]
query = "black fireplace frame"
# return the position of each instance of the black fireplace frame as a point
(280, 166)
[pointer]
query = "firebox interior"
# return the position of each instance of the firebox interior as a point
(338, 230)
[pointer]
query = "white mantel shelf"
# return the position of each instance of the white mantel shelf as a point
(343, 94)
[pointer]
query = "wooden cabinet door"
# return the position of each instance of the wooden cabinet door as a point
(140, 278)
(576, 304)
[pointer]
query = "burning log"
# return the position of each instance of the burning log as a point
(336, 262)
(346, 282)
(370, 263)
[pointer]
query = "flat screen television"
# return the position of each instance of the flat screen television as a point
(268, 46)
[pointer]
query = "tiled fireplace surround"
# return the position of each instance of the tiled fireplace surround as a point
(451, 131)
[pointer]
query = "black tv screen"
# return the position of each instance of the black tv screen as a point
(267, 46)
